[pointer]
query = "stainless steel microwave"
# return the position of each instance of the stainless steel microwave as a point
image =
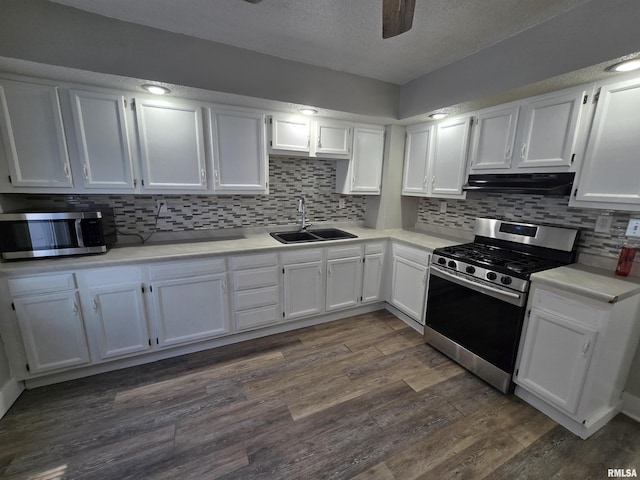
(34, 235)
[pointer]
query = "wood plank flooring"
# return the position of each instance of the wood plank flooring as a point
(360, 398)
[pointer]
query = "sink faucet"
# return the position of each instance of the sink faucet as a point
(304, 223)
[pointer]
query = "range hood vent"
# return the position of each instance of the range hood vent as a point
(531, 183)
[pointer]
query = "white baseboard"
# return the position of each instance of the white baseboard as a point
(9, 393)
(631, 406)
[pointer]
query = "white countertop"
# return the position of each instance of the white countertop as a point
(596, 283)
(250, 243)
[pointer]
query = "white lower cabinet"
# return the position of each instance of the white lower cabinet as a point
(574, 357)
(50, 322)
(373, 273)
(303, 283)
(190, 301)
(256, 286)
(344, 277)
(113, 305)
(409, 275)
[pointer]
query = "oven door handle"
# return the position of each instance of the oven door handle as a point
(511, 297)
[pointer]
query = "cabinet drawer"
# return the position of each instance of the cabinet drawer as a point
(42, 284)
(255, 278)
(191, 268)
(302, 256)
(257, 317)
(555, 304)
(377, 247)
(410, 253)
(257, 298)
(347, 251)
(253, 261)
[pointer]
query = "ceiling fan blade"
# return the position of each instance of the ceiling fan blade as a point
(397, 17)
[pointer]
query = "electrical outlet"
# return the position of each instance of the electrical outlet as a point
(443, 207)
(633, 229)
(161, 206)
(603, 224)
(342, 203)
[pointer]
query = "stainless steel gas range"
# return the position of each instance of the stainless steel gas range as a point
(477, 293)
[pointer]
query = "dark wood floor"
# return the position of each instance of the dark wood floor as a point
(359, 398)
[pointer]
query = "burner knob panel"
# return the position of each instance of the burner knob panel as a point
(471, 269)
(506, 280)
(452, 264)
(442, 261)
(492, 276)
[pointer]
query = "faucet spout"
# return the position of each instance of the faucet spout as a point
(302, 210)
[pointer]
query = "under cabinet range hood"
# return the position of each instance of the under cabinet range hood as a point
(532, 183)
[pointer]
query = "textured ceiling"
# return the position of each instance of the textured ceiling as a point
(344, 35)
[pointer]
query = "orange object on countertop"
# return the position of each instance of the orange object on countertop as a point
(625, 261)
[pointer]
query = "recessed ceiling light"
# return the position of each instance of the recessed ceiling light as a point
(156, 89)
(308, 111)
(438, 116)
(625, 66)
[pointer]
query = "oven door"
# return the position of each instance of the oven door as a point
(476, 324)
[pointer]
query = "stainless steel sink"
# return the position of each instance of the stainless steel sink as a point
(318, 235)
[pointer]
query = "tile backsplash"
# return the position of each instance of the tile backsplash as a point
(529, 208)
(289, 178)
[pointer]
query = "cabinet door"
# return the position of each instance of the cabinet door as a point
(171, 145)
(103, 142)
(417, 152)
(240, 158)
(332, 138)
(493, 139)
(555, 358)
(290, 133)
(366, 164)
(52, 330)
(549, 131)
(449, 162)
(33, 135)
(408, 287)
(303, 290)
(611, 170)
(372, 278)
(190, 309)
(120, 319)
(344, 283)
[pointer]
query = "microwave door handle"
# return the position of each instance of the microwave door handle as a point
(78, 223)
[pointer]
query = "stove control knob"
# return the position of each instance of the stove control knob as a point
(452, 264)
(506, 280)
(470, 269)
(442, 261)
(492, 276)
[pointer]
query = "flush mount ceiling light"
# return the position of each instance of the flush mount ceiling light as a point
(626, 66)
(438, 116)
(156, 89)
(308, 111)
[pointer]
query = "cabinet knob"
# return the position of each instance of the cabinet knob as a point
(67, 172)
(585, 348)
(224, 286)
(94, 302)
(523, 150)
(74, 307)
(85, 169)
(508, 152)
(203, 176)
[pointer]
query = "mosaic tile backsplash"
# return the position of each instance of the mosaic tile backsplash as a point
(288, 179)
(461, 215)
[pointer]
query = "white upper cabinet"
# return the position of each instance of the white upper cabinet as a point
(494, 135)
(171, 145)
(33, 135)
(550, 129)
(449, 163)
(610, 176)
(332, 139)
(435, 159)
(290, 133)
(535, 135)
(240, 157)
(102, 140)
(363, 173)
(418, 150)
